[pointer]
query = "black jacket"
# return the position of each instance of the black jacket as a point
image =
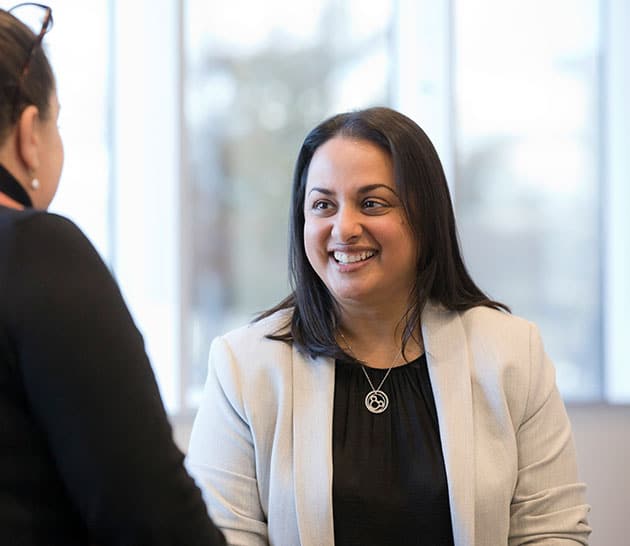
(86, 450)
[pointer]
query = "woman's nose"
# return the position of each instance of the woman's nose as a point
(347, 225)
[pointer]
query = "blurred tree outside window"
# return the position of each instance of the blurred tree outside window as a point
(258, 77)
(516, 96)
(529, 172)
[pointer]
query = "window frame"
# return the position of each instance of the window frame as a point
(148, 59)
(424, 89)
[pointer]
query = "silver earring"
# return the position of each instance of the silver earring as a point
(34, 184)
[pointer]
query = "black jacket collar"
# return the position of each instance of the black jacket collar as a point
(12, 188)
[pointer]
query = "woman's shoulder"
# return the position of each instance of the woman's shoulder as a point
(30, 216)
(482, 321)
(31, 239)
(501, 341)
(494, 321)
(259, 330)
(493, 331)
(251, 342)
(48, 258)
(247, 359)
(41, 227)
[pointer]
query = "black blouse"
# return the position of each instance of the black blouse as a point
(389, 480)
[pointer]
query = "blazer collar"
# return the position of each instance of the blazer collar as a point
(313, 397)
(450, 372)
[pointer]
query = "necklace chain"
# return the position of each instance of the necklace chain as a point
(370, 381)
(376, 401)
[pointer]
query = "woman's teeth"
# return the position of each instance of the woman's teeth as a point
(345, 258)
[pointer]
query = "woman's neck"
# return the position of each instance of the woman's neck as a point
(374, 336)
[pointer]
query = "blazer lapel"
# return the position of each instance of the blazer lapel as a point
(313, 397)
(449, 370)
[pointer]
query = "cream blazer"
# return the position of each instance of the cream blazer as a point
(261, 444)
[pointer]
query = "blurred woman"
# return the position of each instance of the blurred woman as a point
(387, 400)
(86, 451)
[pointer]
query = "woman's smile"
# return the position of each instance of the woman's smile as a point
(345, 258)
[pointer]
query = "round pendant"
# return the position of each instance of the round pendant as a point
(376, 401)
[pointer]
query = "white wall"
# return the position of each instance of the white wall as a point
(602, 439)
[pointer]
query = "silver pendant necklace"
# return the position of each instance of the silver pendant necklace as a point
(376, 401)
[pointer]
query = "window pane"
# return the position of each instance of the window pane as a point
(254, 87)
(82, 84)
(527, 186)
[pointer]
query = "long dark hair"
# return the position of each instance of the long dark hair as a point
(421, 184)
(16, 43)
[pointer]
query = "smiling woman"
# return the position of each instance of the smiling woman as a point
(370, 406)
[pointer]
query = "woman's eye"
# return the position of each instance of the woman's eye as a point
(373, 204)
(321, 205)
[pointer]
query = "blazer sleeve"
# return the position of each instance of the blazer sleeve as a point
(91, 388)
(548, 505)
(221, 454)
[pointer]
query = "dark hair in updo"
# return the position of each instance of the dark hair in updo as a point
(16, 41)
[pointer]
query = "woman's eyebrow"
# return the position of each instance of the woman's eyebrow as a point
(371, 187)
(321, 190)
(361, 190)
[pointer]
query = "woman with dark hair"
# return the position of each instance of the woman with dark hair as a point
(86, 450)
(387, 400)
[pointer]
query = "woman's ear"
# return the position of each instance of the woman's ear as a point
(28, 138)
